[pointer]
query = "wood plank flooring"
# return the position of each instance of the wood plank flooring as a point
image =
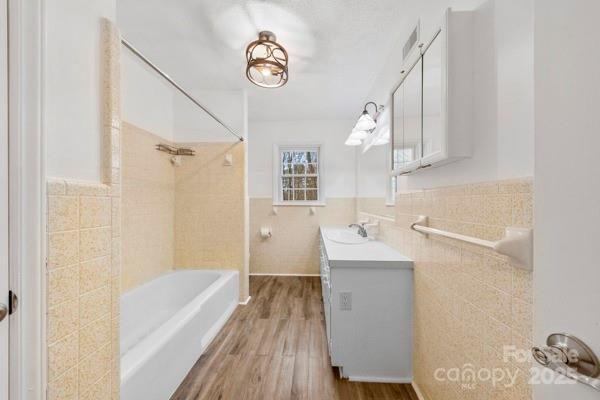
(275, 348)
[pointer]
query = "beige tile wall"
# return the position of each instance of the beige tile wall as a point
(83, 291)
(294, 246)
(83, 262)
(375, 206)
(148, 209)
(469, 303)
(209, 210)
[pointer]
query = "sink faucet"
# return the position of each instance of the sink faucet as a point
(361, 229)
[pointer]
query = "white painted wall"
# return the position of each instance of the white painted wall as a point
(338, 161)
(147, 99)
(372, 171)
(193, 124)
(503, 90)
(73, 86)
(567, 192)
(153, 104)
(73, 94)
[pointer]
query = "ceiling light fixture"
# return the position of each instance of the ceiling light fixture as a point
(267, 61)
(365, 125)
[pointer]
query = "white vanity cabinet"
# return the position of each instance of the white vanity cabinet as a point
(445, 115)
(367, 300)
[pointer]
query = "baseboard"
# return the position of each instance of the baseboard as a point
(269, 274)
(417, 391)
(377, 379)
(245, 303)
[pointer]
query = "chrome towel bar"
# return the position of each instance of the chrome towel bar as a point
(517, 243)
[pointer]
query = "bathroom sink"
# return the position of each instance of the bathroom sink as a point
(345, 236)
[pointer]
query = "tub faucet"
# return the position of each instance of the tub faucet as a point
(361, 229)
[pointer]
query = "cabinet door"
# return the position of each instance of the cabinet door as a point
(398, 159)
(407, 121)
(413, 89)
(434, 132)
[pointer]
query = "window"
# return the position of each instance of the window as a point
(298, 175)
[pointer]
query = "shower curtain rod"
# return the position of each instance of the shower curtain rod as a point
(178, 87)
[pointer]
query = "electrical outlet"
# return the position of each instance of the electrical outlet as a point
(345, 301)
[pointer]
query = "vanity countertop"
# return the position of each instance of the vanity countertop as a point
(372, 253)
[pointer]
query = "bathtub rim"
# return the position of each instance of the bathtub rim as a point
(139, 354)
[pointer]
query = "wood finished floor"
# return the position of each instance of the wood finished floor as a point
(275, 348)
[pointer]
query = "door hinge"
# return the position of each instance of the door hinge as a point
(13, 302)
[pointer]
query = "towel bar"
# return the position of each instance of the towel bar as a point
(517, 243)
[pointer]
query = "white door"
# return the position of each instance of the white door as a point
(4, 356)
(567, 180)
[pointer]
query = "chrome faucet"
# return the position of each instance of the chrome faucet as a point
(361, 229)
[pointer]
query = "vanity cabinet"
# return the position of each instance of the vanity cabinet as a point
(367, 301)
(432, 105)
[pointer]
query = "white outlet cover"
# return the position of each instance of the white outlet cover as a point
(345, 301)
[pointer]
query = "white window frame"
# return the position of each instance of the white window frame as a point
(277, 174)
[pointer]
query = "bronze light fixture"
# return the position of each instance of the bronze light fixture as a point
(267, 61)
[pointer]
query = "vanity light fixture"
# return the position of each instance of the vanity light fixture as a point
(366, 122)
(365, 125)
(267, 61)
(360, 135)
(353, 142)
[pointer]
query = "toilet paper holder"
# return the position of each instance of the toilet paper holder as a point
(265, 232)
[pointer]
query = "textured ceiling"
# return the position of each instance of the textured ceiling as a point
(336, 48)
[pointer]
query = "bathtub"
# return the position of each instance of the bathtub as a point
(166, 324)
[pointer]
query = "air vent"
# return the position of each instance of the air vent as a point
(411, 42)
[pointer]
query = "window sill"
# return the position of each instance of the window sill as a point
(299, 203)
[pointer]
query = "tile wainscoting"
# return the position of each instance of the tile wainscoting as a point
(375, 206)
(83, 288)
(472, 308)
(294, 246)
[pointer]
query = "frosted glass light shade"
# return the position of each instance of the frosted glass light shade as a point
(352, 142)
(381, 141)
(359, 135)
(383, 137)
(365, 122)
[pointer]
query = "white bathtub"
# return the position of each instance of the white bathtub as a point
(166, 324)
